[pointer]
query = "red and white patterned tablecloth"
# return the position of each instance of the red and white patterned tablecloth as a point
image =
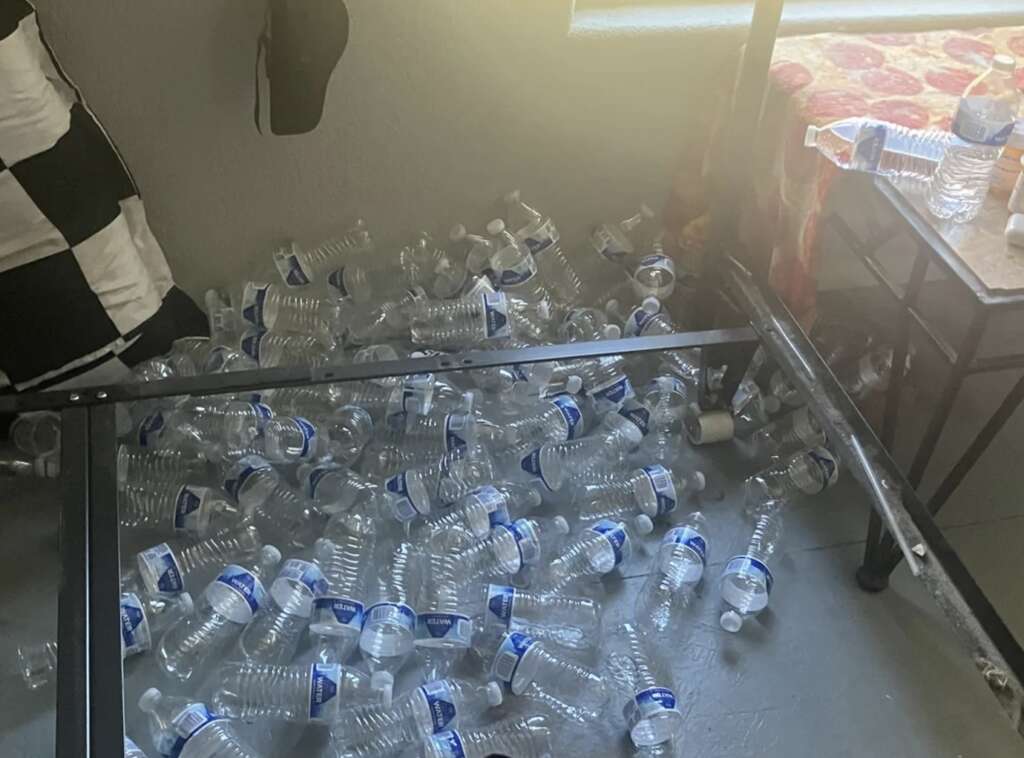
(914, 79)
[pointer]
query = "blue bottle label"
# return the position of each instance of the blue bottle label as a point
(336, 279)
(405, 508)
(972, 124)
(455, 438)
(448, 745)
(187, 504)
(638, 413)
(611, 394)
(150, 429)
(295, 276)
(328, 611)
(251, 344)
(241, 472)
(161, 563)
(542, 239)
(395, 613)
(305, 573)
(521, 272)
(570, 411)
(684, 535)
(530, 463)
(510, 653)
(616, 535)
(501, 601)
(496, 325)
(440, 704)
(526, 540)
(829, 467)
(667, 384)
(868, 147)
(315, 475)
(660, 479)
(746, 564)
(636, 321)
(650, 703)
(185, 726)
(246, 585)
(493, 502)
(309, 439)
(134, 626)
(324, 681)
(252, 304)
(453, 627)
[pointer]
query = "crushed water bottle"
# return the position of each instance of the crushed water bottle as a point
(318, 692)
(229, 603)
(651, 712)
(270, 349)
(477, 512)
(443, 632)
(471, 321)
(541, 237)
(341, 436)
(678, 569)
(515, 267)
(506, 550)
(559, 419)
(747, 580)
(299, 267)
(869, 374)
(185, 726)
(429, 267)
(981, 127)
(522, 738)
(878, 147)
(274, 635)
(586, 325)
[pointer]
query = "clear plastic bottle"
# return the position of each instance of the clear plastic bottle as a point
(807, 472)
(303, 693)
(655, 273)
(515, 266)
(560, 418)
(139, 624)
(300, 267)
(561, 620)
(475, 250)
(870, 374)
(389, 629)
(587, 325)
(274, 636)
(333, 487)
(878, 147)
(598, 550)
(747, 580)
(269, 503)
(542, 238)
(645, 494)
(613, 241)
(229, 603)
(506, 550)
(479, 511)
(527, 668)
(668, 399)
(166, 571)
(522, 738)
(432, 708)
(471, 321)
(426, 265)
(779, 386)
(650, 320)
(208, 424)
(181, 508)
(340, 436)
(143, 466)
(270, 349)
(982, 125)
(651, 713)
(36, 433)
(186, 727)
(605, 382)
(679, 567)
(271, 308)
(443, 630)
(786, 435)
(345, 556)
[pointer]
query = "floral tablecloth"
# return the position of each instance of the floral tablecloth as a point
(914, 79)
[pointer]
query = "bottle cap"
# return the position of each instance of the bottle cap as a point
(731, 621)
(495, 227)
(271, 554)
(611, 331)
(699, 481)
(651, 304)
(494, 694)
(512, 197)
(573, 384)
(185, 604)
(560, 524)
(149, 699)
(643, 524)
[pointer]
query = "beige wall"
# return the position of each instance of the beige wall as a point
(437, 107)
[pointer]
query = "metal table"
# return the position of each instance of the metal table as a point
(990, 274)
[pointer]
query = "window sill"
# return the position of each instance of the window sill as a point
(798, 17)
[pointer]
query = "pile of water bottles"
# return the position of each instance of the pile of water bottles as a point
(413, 565)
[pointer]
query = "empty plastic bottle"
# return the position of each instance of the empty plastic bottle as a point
(605, 382)
(300, 267)
(143, 466)
(271, 308)
(36, 433)
(317, 692)
(526, 667)
(432, 708)
(443, 631)
(786, 435)
(668, 400)
(389, 629)
(522, 738)
(270, 349)
(208, 424)
(807, 472)
(164, 570)
(981, 127)
(506, 550)
(344, 556)
(747, 580)
(560, 418)
(780, 386)
(181, 508)
(563, 620)
(655, 274)
(131, 750)
(340, 436)
(653, 491)
(613, 241)
(424, 264)
(668, 589)
(586, 325)
(229, 603)
(186, 727)
(878, 147)
(333, 487)
(139, 624)
(482, 509)
(598, 549)
(870, 374)
(467, 322)
(274, 636)
(475, 250)
(405, 497)
(541, 237)
(269, 503)
(454, 475)
(515, 266)
(652, 715)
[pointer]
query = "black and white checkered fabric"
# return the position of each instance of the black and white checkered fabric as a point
(85, 291)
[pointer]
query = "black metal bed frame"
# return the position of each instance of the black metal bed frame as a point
(90, 716)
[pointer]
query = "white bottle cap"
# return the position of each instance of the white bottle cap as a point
(712, 426)
(457, 232)
(271, 554)
(643, 524)
(495, 227)
(512, 197)
(185, 604)
(611, 331)
(149, 699)
(651, 304)
(494, 694)
(573, 384)
(560, 524)
(731, 621)
(699, 481)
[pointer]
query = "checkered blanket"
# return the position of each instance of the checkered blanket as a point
(85, 291)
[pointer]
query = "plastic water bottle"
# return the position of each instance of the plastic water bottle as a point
(432, 708)
(270, 504)
(333, 487)
(587, 325)
(668, 400)
(522, 738)
(649, 320)
(655, 274)
(207, 424)
(270, 349)
(786, 435)
(506, 550)
(431, 268)
(344, 555)
(302, 693)
(679, 567)
(181, 508)
(404, 498)
(471, 321)
(780, 386)
(453, 475)
(526, 667)
(747, 580)
(443, 631)
(475, 250)
(300, 267)
(389, 629)
(131, 750)
(144, 466)
(480, 510)
(271, 308)
(139, 624)
(613, 241)
(541, 237)
(598, 550)
(185, 726)
(559, 419)
(605, 382)
(36, 433)
(870, 374)
(229, 603)
(274, 636)
(643, 495)
(878, 147)
(340, 436)
(555, 619)
(515, 266)
(807, 472)
(652, 715)
(166, 571)
(982, 125)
